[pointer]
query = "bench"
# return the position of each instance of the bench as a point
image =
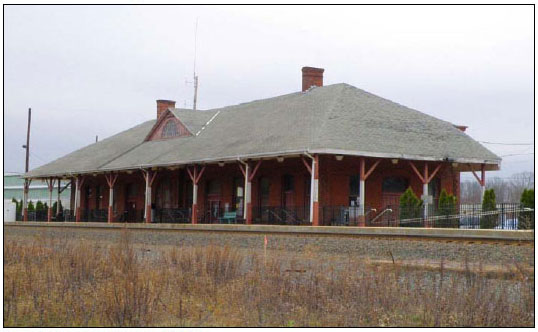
(228, 217)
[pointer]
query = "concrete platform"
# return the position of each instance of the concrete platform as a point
(463, 234)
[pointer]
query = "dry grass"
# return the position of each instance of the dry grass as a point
(85, 283)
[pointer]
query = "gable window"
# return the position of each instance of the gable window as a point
(170, 129)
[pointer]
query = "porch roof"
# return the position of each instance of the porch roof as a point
(337, 119)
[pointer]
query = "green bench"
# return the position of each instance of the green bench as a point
(228, 217)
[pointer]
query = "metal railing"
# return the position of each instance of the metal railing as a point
(172, 216)
(281, 215)
(219, 216)
(509, 216)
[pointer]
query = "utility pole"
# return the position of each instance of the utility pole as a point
(27, 164)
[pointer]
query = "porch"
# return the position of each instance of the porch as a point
(303, 189)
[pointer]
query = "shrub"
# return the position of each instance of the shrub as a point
(39, 206)
(526, 218)
(31, 206)
(489, 221)
(447, 208)
(410, 208)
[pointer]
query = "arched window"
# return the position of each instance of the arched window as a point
(170, 129)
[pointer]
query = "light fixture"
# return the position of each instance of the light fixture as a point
(454, 165)
(129, 172)
(339, 157)
(221, 163)
(280, 159)
(394, 161)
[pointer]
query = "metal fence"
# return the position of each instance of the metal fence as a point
(220, 215)
(171, 216)
(281, 215)
(509, 216)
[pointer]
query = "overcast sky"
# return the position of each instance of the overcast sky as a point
(97, 70)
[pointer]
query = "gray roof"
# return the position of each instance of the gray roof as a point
(338, 119)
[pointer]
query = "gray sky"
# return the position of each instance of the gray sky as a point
(94, 70)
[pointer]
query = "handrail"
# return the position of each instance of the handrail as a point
(380, 214)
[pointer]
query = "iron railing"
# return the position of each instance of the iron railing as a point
(219, 216)
(169, 215)
(281, 215)
(509, 216)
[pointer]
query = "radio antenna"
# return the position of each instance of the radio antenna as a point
(194, 68)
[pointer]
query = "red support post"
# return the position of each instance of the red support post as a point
(248, 191)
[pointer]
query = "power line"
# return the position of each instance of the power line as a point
(506, 143)
(518, 154)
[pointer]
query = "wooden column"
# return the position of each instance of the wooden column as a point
(50, 186)
(149, 176)
(425, 178)
(111, 180)
(25, 199)
(363, 175)
(249, 176)
(79, 182)
(313, 169)
(195, 178)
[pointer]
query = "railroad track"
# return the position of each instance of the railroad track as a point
(491, 237)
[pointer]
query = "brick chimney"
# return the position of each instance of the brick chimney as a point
(312, 77)
(163, 105)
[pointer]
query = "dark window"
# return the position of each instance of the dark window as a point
(131, 190)
(98, 196)
(434, 187)
(354, 189)
(264, 191)
(170, 129)
(287, 183)
(213, 187)
(395, 184)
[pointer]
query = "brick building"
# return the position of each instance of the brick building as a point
(325, 155)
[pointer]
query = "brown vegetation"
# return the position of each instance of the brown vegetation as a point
(65, 283)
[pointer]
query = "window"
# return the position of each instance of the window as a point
(170, 129)
(287, 184)
(354, 189)
(264, 192)
(131, 190)
(434, 187)
(395, 184)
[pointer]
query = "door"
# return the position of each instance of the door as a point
(392, 188)
(288, 199)
(131, 213)
(213, 199)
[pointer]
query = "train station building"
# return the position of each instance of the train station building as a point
(325, 155)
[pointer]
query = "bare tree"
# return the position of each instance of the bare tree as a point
(506, 190)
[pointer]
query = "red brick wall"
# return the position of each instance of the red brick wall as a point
(333, 182)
